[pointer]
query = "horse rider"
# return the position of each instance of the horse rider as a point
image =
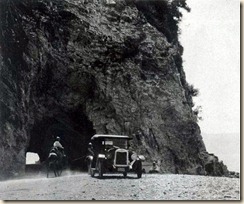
(58, 147)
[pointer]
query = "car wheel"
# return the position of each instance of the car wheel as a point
(89, 167)
(92, 172)
(139, 174)
(100, 168)
(139, 169)
(125, 174)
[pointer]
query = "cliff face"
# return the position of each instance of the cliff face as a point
(74, 68)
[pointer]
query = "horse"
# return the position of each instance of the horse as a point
(55, 162)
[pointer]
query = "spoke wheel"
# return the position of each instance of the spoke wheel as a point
(124, 174)
(139, 169)
(100, 168)
(92, 172)
(89, 168)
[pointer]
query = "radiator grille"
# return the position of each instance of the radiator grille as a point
(121, 158)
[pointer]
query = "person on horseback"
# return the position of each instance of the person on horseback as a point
(58, 147)
(57, 160)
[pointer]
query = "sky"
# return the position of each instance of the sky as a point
(210, 35)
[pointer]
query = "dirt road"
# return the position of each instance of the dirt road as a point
(80, 186)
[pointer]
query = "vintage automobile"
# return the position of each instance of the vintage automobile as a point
(110, 154)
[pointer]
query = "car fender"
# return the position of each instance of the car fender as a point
(101, 156)
(89, 158)
(141, 157)
(135, 163)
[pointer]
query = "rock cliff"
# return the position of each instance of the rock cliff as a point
(74, 68)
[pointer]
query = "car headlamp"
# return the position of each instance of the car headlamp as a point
(109, 155)
(134, 156)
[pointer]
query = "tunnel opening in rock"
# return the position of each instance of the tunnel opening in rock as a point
(32, 158)
(32, 163)
(74, 129)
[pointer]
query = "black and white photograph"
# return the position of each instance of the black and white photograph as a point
(120, 100)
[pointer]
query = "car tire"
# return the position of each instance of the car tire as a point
(124, 174)
(139, 174)
(100, 168)
(89, 167)
(139, 169)
(92, 172)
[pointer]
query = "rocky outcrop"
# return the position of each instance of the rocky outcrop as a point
(74, 68)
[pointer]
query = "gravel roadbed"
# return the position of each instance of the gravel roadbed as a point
(80, 186)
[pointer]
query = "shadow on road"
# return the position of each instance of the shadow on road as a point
(116, 177)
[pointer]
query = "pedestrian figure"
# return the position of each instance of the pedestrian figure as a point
(155, 168)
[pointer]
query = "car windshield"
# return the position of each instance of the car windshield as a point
(115, 142)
